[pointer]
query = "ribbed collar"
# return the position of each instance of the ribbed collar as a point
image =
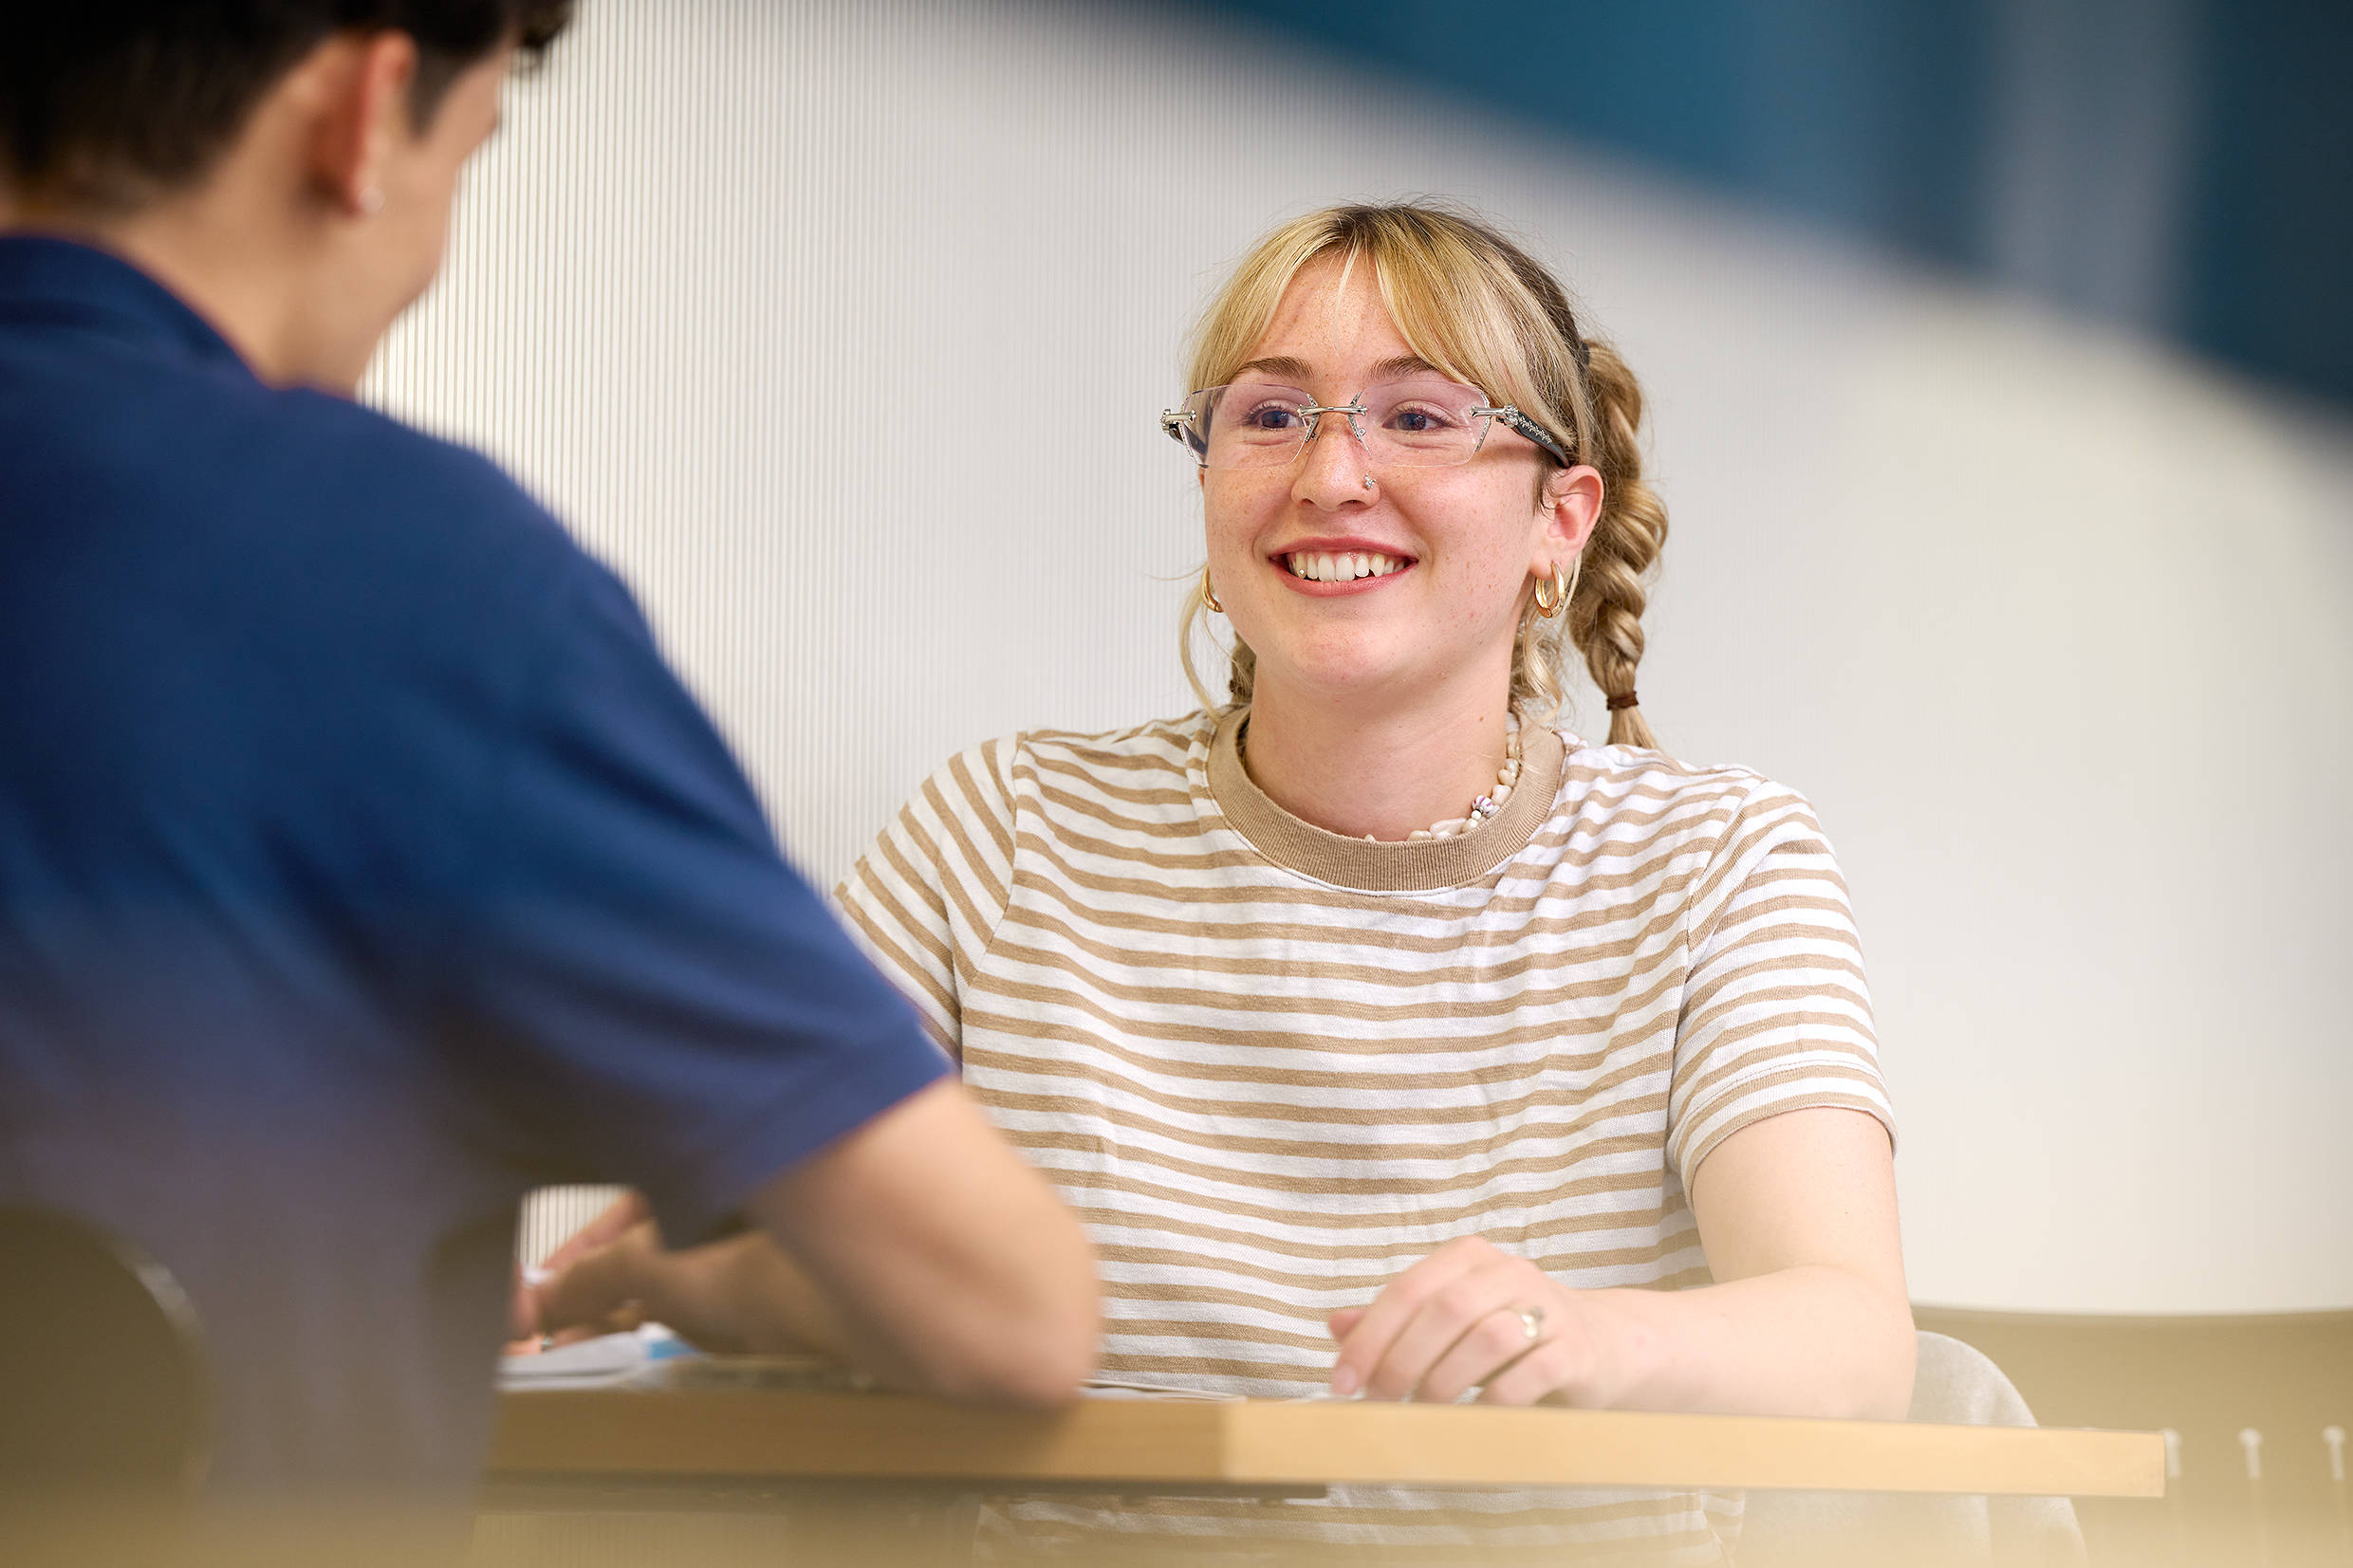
(49, 282)
(1421, 865)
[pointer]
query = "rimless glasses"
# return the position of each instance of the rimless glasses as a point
(1421, 422)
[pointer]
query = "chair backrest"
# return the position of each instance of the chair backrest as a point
(1956, 1384)
(102, 1373)
(1953, 1386)
(2285, 1375)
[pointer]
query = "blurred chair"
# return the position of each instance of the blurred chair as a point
(2287, 1377)
(1955, 1386)
(102, 1377)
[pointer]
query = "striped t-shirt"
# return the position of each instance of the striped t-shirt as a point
(1271, 1066)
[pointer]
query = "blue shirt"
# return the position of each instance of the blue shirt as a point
(361, 866)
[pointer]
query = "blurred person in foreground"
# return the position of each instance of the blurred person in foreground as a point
(362, 863)
(1396, 1039)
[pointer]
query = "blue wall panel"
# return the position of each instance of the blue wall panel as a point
(1929, 124)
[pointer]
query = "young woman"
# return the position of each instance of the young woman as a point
(1390, 1039)
(1368, 1012)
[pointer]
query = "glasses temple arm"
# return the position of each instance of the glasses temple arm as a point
(1511, 416)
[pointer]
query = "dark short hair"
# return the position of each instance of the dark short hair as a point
(113, 102)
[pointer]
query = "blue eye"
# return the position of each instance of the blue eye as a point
(1272, 416)
(1412, 419)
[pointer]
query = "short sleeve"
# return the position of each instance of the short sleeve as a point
(655, 988)
(924, 900)
(1776, 1016)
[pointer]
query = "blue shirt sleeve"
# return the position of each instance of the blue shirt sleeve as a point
(651, 986)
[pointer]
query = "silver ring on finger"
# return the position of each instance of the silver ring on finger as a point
(1532, 1323)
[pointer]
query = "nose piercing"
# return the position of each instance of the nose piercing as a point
(1368, 481)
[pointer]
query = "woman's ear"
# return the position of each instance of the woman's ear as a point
(1566, 510)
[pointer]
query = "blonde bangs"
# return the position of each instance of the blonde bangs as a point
(1455, 302)
(1239, 317)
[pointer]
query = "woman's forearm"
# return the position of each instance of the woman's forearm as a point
(1797, 1214)
(1810, 1340)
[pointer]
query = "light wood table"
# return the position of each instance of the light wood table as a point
(1148, 1446)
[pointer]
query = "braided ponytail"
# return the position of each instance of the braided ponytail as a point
(1592, 393)
(1605, 613)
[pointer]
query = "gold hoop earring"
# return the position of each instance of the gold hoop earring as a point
(1562, 585)
(1209, 593)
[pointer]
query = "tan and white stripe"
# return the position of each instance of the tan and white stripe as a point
(1271, 1066)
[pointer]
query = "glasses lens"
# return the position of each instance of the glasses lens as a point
(1248, 425)
(1422, 423)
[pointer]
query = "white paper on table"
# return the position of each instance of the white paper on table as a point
(1106, 1389)
(610, 1360)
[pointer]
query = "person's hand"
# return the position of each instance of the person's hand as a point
(919, 1249)
(521, 1317)
(741, 1294)
(1472, 1316)
(599, 1280)
(618, 1240)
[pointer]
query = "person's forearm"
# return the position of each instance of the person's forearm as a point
(1015, 1320)
(948, 1263)
(919, 1249)
(1006, 1334)
(1810, 1340)
(737, 1295)
(746, 1294)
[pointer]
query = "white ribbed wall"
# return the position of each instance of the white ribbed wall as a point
(2057, 629)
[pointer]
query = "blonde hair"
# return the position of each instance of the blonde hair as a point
(1485, 312)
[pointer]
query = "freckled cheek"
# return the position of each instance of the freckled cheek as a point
(1479, 589)
(1233, 528)
(1228, 552)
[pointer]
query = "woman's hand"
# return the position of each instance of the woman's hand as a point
(1472, 1316)
(1807, 1316)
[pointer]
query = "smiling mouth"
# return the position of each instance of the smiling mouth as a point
(1342, 566)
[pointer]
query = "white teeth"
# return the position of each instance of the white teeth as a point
(1343, 566)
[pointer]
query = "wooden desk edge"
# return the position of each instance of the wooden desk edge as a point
(1132, 1444)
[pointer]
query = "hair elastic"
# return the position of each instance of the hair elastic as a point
(1624, 699)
